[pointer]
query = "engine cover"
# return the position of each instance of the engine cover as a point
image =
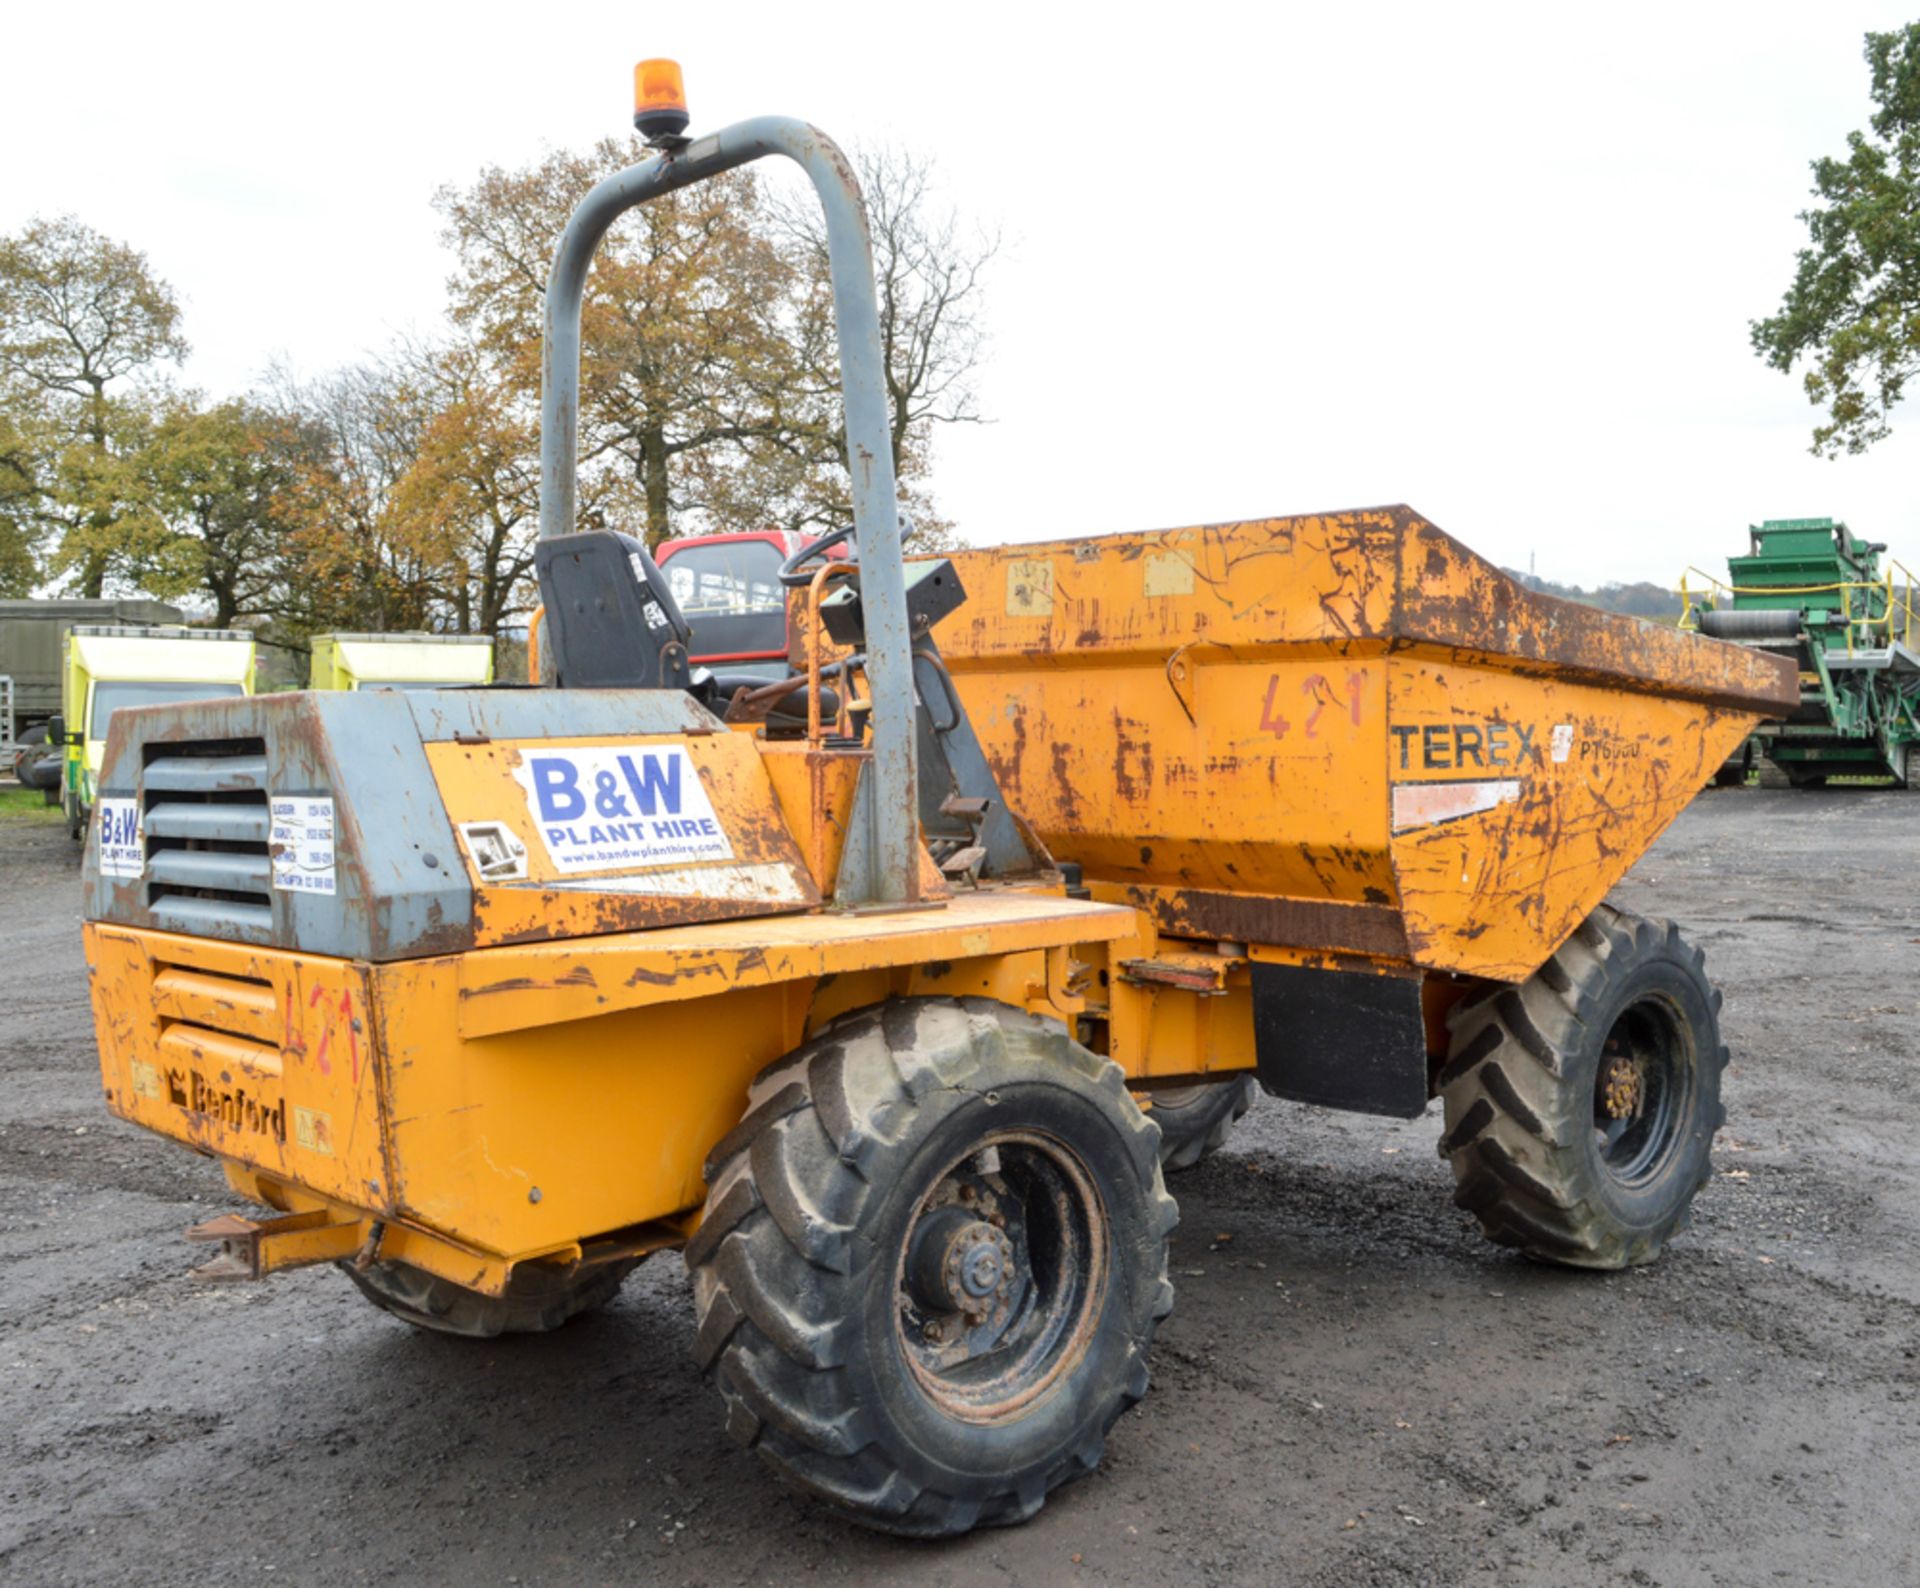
(391, 825)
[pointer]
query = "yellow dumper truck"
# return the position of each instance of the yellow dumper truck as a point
(400, 661)
(841, 981)
(108, 667)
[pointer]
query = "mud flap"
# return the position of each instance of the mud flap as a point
(1341, 1039)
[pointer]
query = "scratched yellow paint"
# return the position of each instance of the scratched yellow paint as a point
(597, 1074)
(767, 873)
(1230, 757)
(228, 1048)
(1337, 740)
(609, 1120)
(1491, 892)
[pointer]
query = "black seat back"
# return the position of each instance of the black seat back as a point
(611, 621)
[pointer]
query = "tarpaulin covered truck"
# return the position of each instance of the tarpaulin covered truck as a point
(33, 637)
(400, 661)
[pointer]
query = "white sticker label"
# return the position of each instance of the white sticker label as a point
(1561, 740)
(620, 808)
(122, 850)
(301, 843)
(497, 855)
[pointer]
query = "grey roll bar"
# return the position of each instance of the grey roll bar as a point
(881, 864)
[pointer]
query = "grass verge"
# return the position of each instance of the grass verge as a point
(27, 806)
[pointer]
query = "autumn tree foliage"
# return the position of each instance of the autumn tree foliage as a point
(402, 492)
(468, 502)
(683, 367)
(84, 326)
(709, 371)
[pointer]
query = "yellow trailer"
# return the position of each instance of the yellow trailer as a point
(489, 994)
(399, 661)
(108, 667)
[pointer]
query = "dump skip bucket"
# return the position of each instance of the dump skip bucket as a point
(1339, 733)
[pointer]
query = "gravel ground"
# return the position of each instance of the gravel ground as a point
(1353, 1389)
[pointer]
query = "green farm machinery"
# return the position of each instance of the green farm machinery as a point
(1811, 589)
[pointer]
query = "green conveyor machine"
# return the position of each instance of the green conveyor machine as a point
(1811, 589)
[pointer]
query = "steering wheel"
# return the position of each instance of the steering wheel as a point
(794, 571)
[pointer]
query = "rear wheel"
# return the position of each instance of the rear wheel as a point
(1581, 1106)
(540, 1296)
(1194, 1120)
(1910, 769)
(933, 1261)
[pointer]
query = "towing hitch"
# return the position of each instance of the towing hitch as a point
(254, 1248)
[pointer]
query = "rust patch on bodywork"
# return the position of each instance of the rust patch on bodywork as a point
(766, 872)
(1294, 923)
(1350, 733)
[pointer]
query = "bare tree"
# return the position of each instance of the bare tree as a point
(928, 274)
(355, 434)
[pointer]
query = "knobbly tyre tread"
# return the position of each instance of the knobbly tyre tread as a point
(777, 1325)
(1196, 1130)
(539, 1297)
(1517, 1094)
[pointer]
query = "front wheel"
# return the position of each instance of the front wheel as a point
(933, 1261)
(540, 1296)
(1581, 1106)
(1194, 1120)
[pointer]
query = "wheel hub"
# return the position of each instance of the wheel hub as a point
(979, 1270)
(1000, 1275)
(961, 1264)
(1620, 1087)
(1642, 1090)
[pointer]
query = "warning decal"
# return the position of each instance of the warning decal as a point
(620, 808)
(1430, 804)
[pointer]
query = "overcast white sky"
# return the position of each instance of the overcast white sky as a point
(1496, 262)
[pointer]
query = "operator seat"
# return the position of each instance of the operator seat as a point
(612, 623)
